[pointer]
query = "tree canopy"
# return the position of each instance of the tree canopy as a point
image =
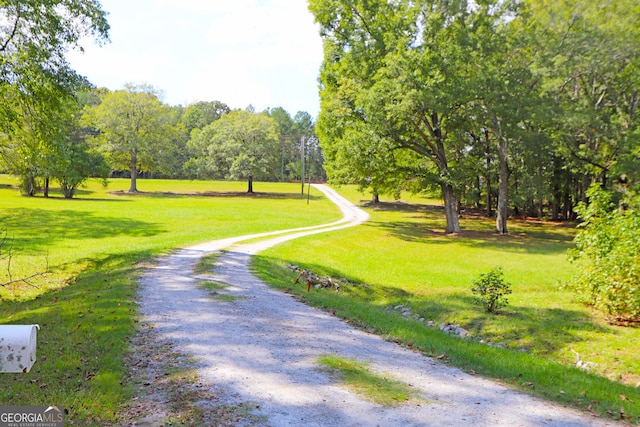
(527, 102)
(34, 38)
(134, 129)
(240, 145)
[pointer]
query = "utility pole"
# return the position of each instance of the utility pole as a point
(302, 144)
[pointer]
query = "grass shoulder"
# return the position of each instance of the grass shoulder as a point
(357, 376)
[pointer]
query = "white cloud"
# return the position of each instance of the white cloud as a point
(260, 52)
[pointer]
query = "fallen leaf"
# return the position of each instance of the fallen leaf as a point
(442, 356)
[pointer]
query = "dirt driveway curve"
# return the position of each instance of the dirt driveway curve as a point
(262, 348)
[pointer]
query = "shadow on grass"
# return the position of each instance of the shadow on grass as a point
(41, 229)
(539, 330)
(220, 194)
(429, 223)
(405, 207)
(85, 332)
(427, 231)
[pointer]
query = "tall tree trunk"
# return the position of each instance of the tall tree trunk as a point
(450, 209)
(503, 187)
(478, 193)
(133, 167)
(487, 155)
(586, 183)
(434, 149)
(557, 194)
(46, 187)
(250, 185)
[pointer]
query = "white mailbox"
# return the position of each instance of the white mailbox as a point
(17, 347)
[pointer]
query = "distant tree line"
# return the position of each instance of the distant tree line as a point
(131, 133)
(510, 106)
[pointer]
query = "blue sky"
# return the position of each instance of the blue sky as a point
(266, 53)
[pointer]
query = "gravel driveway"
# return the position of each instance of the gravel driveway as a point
(262, 348)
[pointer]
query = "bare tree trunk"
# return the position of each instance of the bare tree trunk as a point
(46, 187)
(487, 155)
(503, 187)
(250, 185)
(133, 167)
(450, 209)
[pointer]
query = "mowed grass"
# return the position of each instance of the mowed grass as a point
(95, 247)
(402, 257)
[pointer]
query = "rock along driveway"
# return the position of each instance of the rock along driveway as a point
(262, 348)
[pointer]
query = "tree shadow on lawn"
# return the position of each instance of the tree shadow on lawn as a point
(85, 328)
(431, 223)
(400, 206)
(538, 330)
(219, 194)
(537, 242)
(40, 229)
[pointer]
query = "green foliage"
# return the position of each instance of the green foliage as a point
(34, 37)
(134, 129)
(608, 255)
(504, 91)
(201, 114)
(75, 164)
(49, 144)
(239, 145)
(293, 133)
(491, 290)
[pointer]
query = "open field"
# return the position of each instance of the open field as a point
(95, 246)
(402, 258)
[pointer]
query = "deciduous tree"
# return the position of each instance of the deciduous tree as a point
(402, 70)
(134, 129)
(203, 113)
(34, 38)
(240, 145)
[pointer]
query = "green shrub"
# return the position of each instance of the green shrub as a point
(608, 255)
(490, 290)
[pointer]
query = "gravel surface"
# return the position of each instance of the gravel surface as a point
(260, 351)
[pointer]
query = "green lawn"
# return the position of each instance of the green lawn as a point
(95, 246)
(404, 258)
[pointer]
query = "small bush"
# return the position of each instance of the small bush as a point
(490, 290)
